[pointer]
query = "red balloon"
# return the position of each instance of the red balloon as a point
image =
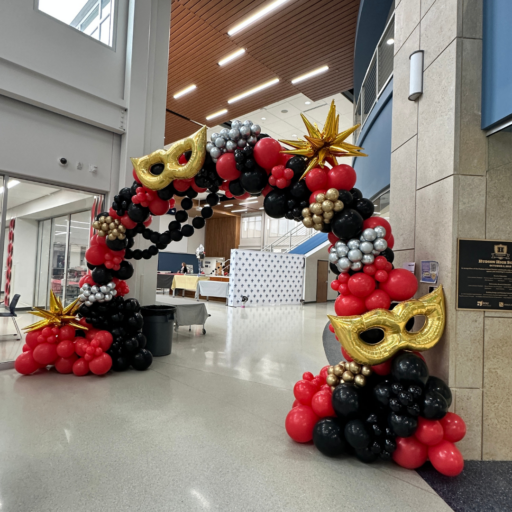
(312, 197)
(135, 177)
(67, 332)
(113, 213)
(383, 368)
(31, 339)
(182, 185)
(391, 241)
(95, 255)
(409, 453)
(283, 158)
(372, 222)
(182, 159)
(361, 285)
(300, 422)
(348, 305)
(65, 364)
(317, 381)
(159, 206)
(332, 238)
(266, 190)
(127, 222)
(91, 334)
(25, 363)
(266, 153)
(80, 345)
(400, 284)
(295, 403)
(105, 339)
(316, 179)
(341, 177)
(307, 376)
(446, 458)
(244, 196)
(378, 299)
(66, 348)
(335, 284)
(346, 355)
(101, 364)
(281, 183)
(343, 289)
(453, 426)
(45, 353)
(322, 404)
(324, 371)
(381, 276)
(429, 432)
(343, 278)
(304, 391)
(80, 367)
(380, 263)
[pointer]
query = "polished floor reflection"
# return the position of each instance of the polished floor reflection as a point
(203, 429)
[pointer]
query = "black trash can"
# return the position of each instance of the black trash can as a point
(158, 327)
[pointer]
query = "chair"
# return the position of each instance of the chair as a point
(12, 314)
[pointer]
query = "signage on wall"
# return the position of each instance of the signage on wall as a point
(484, 275)
(429, 272)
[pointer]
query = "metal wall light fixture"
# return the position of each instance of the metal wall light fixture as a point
(416, 75)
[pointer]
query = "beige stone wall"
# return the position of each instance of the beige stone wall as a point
(449, 181)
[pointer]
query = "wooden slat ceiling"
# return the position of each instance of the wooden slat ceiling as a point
(300, 36)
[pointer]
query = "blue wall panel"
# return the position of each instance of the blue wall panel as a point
(497, 63)
(310, 244)
(171, 261)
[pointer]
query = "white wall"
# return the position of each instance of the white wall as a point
(310, 274)
(185, 245)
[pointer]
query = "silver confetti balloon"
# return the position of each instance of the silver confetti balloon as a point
(209, 146)
(245, 131)
(215, 136)
(215, 152)
(356, 266)
(369, 234)
(234, 134)
(353, 244)
(333, 257)
(380, 244)
(366, 247)
(219, 142)
(380, 231)
(230, 146)
(256, 129)
(242, 143)
(95, 289)
(343, 264)
(342, 251)
(104, 289)
(247, 123)
(355, 255)
(367, 259)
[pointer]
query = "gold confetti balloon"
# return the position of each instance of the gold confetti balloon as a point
(327, 205)
(317, 219)
(308, 222)
(320, 198)
(306, 212)
(332, 194)
(338, 206)
(316, 208)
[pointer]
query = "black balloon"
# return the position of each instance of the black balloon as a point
(90, 266)
(132, 305)
(120, 363)
(402, 425)
(299, 190)
(117, 244)
(191, 193)
(206, 212)
(176, 235)
(366, 455)
(347, 224)
(157, 169)
(438, 385)
(254, 180)
(187, 230)
(198, 222)
(138, 213)
(212, 199)
(153, 250)
(334, 269)
(130, 345)
(382, 393)
(408, 368)
(372, 336)
(125, 271)
(186, 203)
(102, 275)
(137, 254)
(276, 204)
(357, 434)
(181, 216)
(356, 194)
(433, 406)
(141, 340)
(135, 321)
(328, 437)
(365, 207)
(345, 196)
(155, 237)
(235, 187)
(142, 360)
(346, 401)
(166, 193)
(173, 225)
(388, 254)
(298, 165)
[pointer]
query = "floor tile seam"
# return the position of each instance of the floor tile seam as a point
(413, 485)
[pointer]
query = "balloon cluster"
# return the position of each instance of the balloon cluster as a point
(322, 210)
(90, 294)
(348, 372)
(241, 134)
(400, 414)
(109, 227)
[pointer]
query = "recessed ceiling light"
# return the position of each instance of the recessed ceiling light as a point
(254, 90)
(263, 118)
(216, 114)
(228, 205)
(311, 74)
(390, 41)
(256, 16)
(236, 211)
(307, 102)
(231, 57)
(284, 111)
(261, 208)
(181, 93)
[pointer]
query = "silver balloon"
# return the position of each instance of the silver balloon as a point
(355, 255)
(252, 140)
(380, 231)
(82, 298)
(375, 252)
(366, 247)
(108, 297)
(113, 293)
(220, 142)
(242, 143)
(333, 250)
(104, 289)
(342, 251)
(209, 147)
(215, 136)
(356, 266)
(333, 257)
(256, 129)
(367, 259)
(380, 244)
(224, 133)
(215, 152)
(95, 289)
(230, 146)
(99, 296)
(369, 234)
(92, 298)
(362, 238)
(339, 243)
(353, 244)
(343, 264)
(86, 293)
(88, 303)
(245, 131)
(86, 287)
(214, 160)
(111, 285)
(247, 123)
(234, 134)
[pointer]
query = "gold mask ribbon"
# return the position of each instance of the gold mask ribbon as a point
(173, 170)
(393, 322)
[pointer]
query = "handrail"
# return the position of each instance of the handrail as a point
(287, 237)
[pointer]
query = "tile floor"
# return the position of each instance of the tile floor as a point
(202, 430)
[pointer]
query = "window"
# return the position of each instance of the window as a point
(92, 17)
(251, 227)
(381, 204)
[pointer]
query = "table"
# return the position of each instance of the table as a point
(186, 282)
(212, 289)
(164, 281)
(188, 312)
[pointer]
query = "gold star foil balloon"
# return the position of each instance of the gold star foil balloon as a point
(56, 316)
(172, 170)
(321, 145)
(396, 337)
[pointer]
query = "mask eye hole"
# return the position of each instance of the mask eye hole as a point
(157, 169)
(415, 323)
(372, 336)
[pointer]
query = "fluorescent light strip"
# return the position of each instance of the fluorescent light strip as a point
(228, 205)
(254, 90)
(231, 56)
(256, 16)
(248, 202)
(181, 93)
(12, 183)
(216, 114)
(235, 211)
(311, 74)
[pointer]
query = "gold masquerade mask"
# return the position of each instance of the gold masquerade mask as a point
(396, 337)
(173, 170)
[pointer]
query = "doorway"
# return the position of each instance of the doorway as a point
(322, 277)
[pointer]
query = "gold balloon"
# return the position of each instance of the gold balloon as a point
(327, 221)
(121, 228)
(102, 233)
(317, 219)
(318, 227)
(121, 237)
(332, 194)
(366, 370)
(104, 227)
(360, 380)
(320, 198)
(327, 205)
(338, 370)
(330, 370)
(96, 225)
(393, 323)
(306, 212)
(308, 222)
(328, 215)
(109, 219)
(316, 208)
(338, 205)
(102, 219)
(332, 380)
(347, 377)
(354, 368)
(173, 170)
